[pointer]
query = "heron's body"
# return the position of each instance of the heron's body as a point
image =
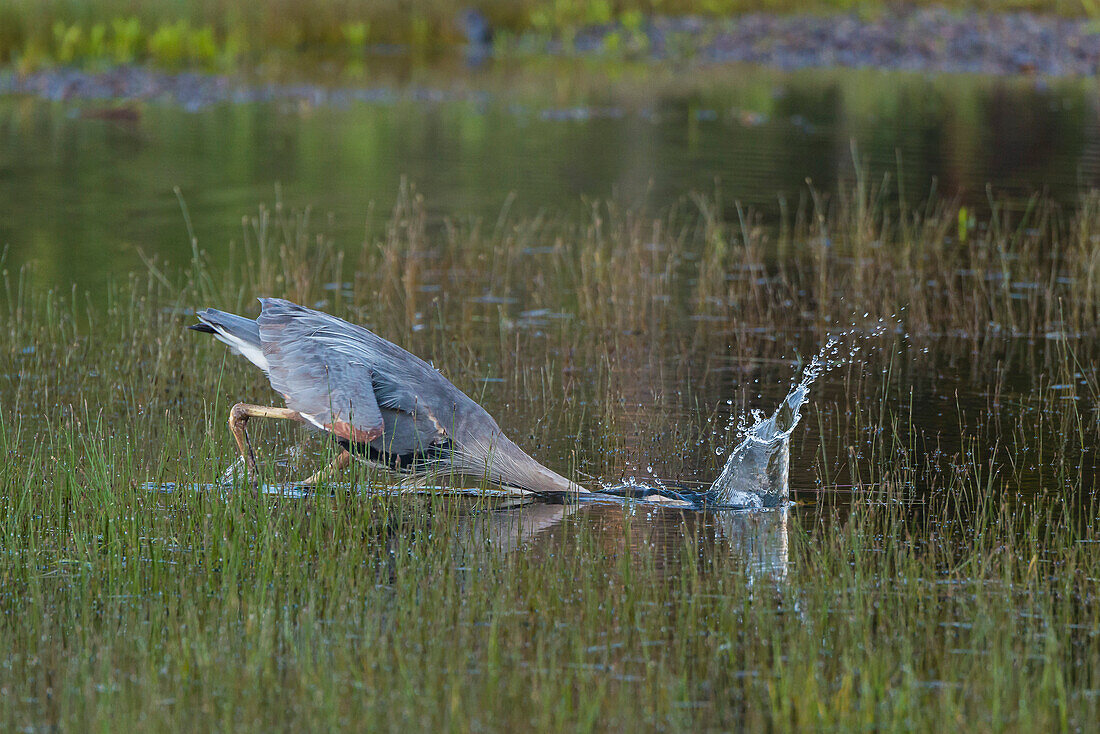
(374, 397)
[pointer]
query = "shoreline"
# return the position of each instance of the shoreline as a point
(924, 41)
(118, 93)
(928, 40)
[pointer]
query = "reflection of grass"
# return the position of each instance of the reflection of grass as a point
(957, 585)
(221, 31)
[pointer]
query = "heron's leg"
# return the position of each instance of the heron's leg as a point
(341, 462)
(238, 417)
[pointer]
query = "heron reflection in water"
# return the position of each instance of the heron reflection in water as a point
(376, 400)
(755, 540)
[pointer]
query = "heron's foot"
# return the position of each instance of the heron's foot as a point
(341, 462)
(239, 468)
(229, 476)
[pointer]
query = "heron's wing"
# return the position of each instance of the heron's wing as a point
(323, 377)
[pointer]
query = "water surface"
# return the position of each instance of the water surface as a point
(84, 192)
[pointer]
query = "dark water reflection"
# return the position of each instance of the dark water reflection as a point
(82, 194)
(665, 537)
(650, 535)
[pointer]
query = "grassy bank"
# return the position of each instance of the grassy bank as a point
(933, 577)
(220, 33)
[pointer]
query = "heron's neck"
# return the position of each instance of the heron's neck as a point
(514, 466)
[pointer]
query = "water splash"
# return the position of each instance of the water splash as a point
(755, 474)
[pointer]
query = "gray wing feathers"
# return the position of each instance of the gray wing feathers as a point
(325, 378)
(345, 378)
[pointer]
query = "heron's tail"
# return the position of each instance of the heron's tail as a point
(240, 333)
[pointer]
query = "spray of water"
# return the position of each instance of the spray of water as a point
(755, 476)
(756, 473)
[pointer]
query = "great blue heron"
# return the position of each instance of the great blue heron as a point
(372, 396)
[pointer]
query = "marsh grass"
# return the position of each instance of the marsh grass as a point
(941, 565)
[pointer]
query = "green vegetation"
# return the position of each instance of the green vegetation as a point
(932, 579)
(223, 32)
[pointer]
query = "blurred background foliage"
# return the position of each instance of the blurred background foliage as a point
(221, 33)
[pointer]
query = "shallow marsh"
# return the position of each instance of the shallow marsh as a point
(938, 564)
(557, 262)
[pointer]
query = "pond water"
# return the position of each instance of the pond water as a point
(88, 196)
(82, 191)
